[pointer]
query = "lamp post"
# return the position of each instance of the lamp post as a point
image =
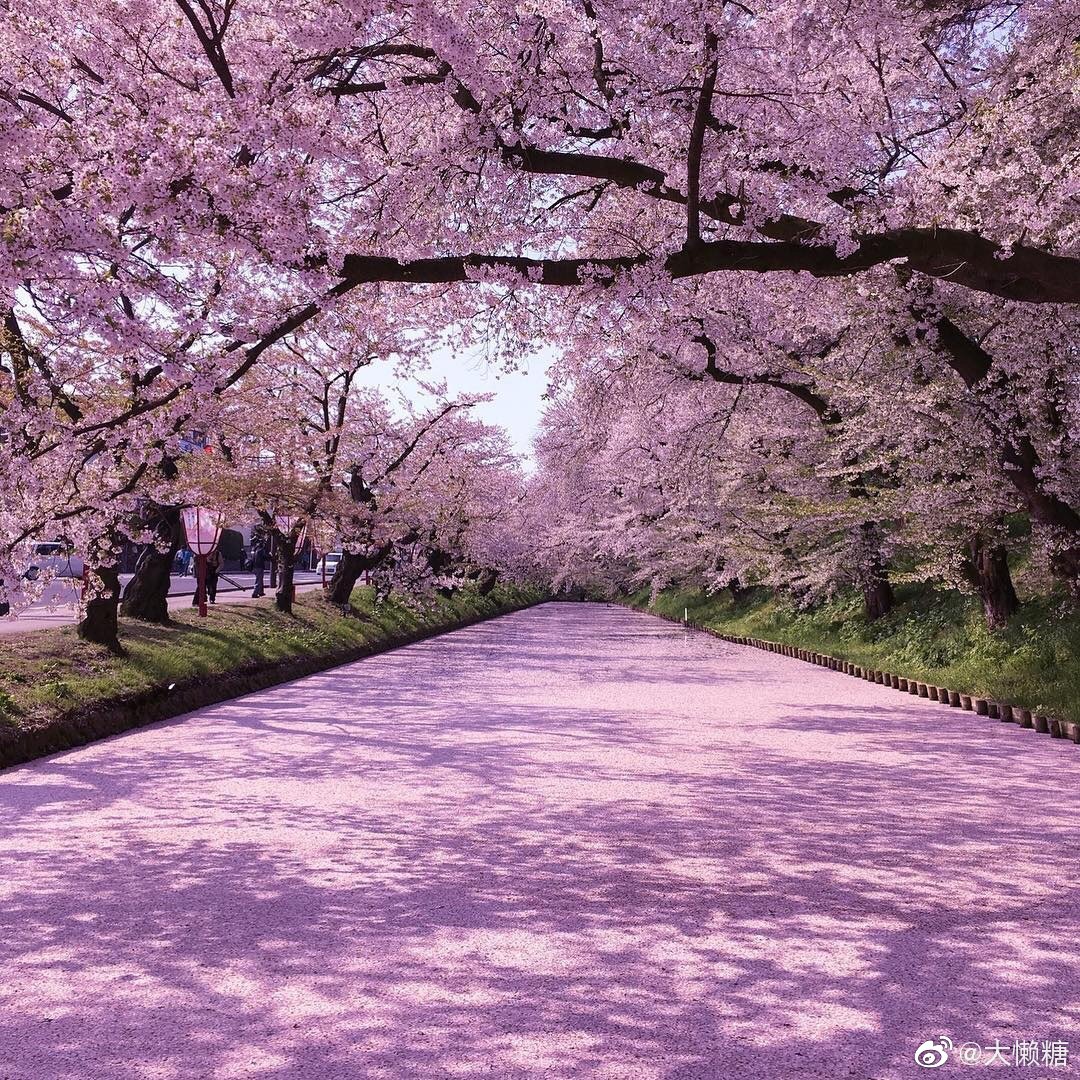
(202, 527)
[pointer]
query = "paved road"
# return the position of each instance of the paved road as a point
(572, 842)
(60, 605)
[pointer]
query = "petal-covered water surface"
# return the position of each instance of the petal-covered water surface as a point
(575, 841)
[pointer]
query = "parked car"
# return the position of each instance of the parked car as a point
(331, 558)
(53, 555)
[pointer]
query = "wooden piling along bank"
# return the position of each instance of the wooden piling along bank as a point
(994, 710)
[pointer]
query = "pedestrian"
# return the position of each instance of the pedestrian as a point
(258, 563)
(185, 560)
(214, 562)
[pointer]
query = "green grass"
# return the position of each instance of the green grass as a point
(48, 673)
(934, 637)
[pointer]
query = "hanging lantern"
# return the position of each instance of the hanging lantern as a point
(202, 527)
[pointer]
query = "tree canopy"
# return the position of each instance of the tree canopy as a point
(840, 237)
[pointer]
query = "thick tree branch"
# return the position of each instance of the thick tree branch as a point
(697, 143)
(211, 38)
(1020, 461)
(1026, 274)
(822, 409)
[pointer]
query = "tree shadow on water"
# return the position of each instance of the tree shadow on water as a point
(498, 870)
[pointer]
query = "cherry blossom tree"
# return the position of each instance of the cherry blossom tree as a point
(305, 447)
(790, 203)
(889, 448)
(205, 177)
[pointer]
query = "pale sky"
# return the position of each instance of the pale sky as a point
(517, 405)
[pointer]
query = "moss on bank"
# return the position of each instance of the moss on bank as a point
(937, 638)
(48, 674)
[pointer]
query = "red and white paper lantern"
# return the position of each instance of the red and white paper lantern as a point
(202, 528)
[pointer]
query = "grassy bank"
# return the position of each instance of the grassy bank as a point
(50, 675)
(937, 638)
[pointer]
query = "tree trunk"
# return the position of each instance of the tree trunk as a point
(878, 597)
(988, 568)
(349, 570)
(99, 623)
(738, 591)
(1065, 563)
(439, 560)
(146, 596)
(346, 574)
(283, 598)
(1020, 461)
(1021, 465)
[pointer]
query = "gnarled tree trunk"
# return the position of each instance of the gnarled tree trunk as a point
(348, 572)
(988, 569)
(99, 623)
(1017, 454)
(1066, 565)
(738, 590)
(878, 598)
(146, 596)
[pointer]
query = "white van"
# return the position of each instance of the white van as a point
(53, 555)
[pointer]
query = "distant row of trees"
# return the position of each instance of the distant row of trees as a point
(814, 436)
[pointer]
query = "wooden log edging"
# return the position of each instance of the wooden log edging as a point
(1004, 712)
(82, 726)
